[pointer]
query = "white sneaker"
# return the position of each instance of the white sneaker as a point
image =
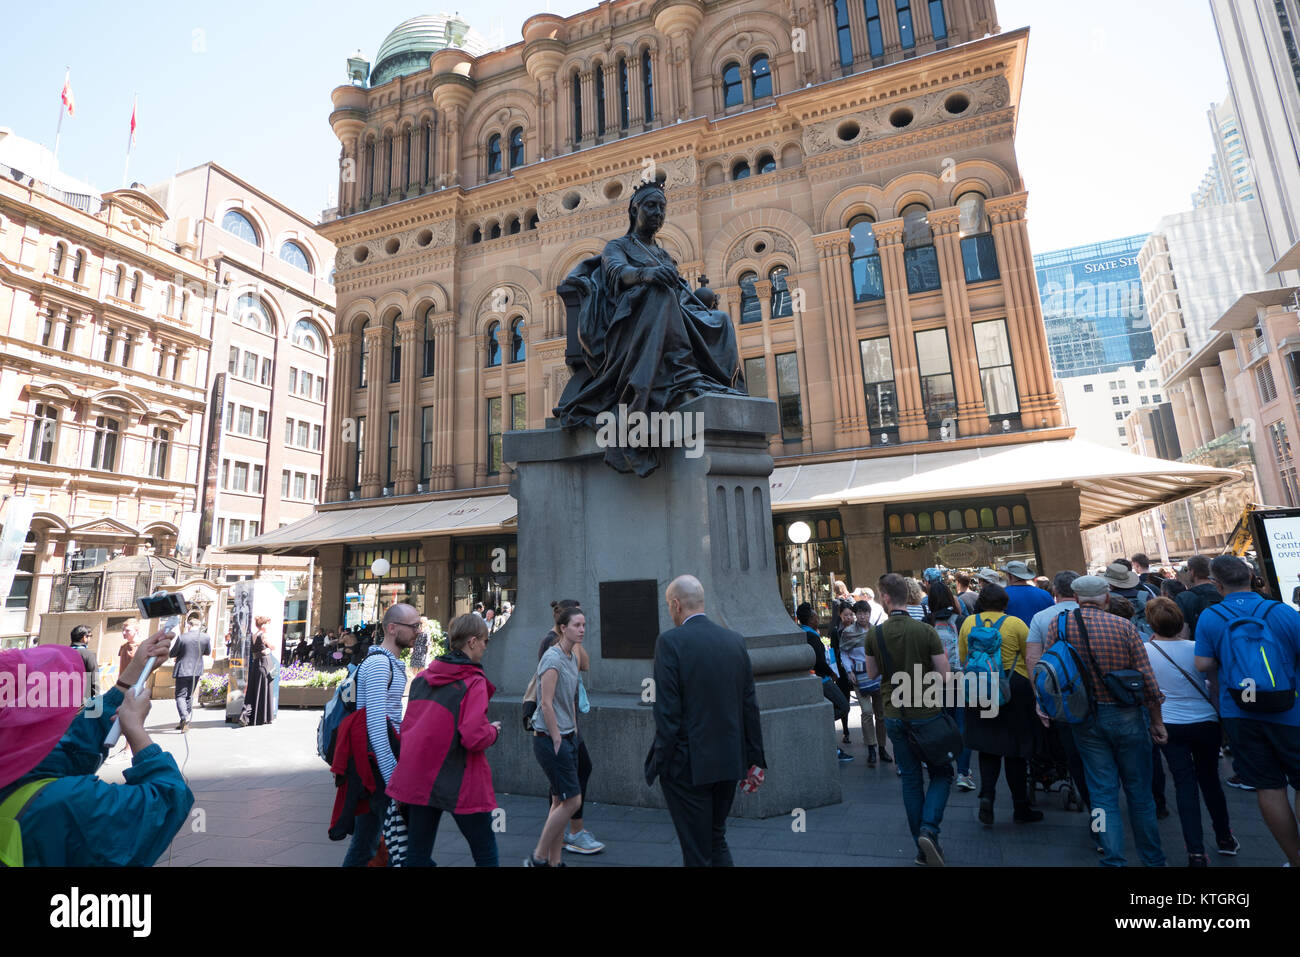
(582, 843)
(965, 782)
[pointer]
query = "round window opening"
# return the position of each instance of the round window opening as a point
(571, 200)
(760, 247)
(901, 118)
(848, 131)
(360, 254)
(392, 246)
(425, 237)
(957, 103)
(613, 190)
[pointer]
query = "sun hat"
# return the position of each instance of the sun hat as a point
(1119, 576)
(1020, 570)
(932, 575)
(989, 575)
(41, 691)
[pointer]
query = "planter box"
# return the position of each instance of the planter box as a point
(302, 697)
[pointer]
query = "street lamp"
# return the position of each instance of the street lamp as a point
(379, 568)
(799, 533)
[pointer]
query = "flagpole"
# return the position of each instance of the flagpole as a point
(130, 141)
(58, 130)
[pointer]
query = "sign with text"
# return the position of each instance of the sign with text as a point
(1278, 542)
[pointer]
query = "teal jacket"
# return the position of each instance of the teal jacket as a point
(80, 821)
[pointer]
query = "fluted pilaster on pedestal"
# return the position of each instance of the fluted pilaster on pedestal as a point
(848, 402)
(972, 419)
(911, 409)
(376, 434)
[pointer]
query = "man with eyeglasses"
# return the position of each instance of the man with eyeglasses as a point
(381, 682)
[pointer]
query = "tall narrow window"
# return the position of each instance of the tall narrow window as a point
(599, 70)
(494, 154)
(647, 87)
(56, 259)
(760, 76)
(938, 395)
(47, 327)
(843, 34)
(494, 435)
(370, 168)
(134, 295)
(864, 261)
(109, 340)
(920, 259)
(756, 377)
(361, 451)
(519, 412)
(575, 91)
(426, 445)
(978, 253)
(429, 343)
(45, 427)
(787, 396)
(624, 106)
(938, 22)
(750, 308)
(363, 359)
(781, 305)
(78, 261)
(494, 345)
(517, 341)
(733, 91)
(517, 147)
(426, 151)
(878, 382)
(997, 375)
(906, 36)
(119, 277)
(239, 482)
(255, 480)
(128, 348)
(103, 453)
(395, 363)
(169, 300)
(394, 441)
(875, 39)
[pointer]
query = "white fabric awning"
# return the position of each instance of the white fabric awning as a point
(1111, 484)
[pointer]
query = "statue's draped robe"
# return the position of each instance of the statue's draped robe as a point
(645, 347)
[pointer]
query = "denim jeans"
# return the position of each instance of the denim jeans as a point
(366, 833)
(963, 759)
(924, 806)
(422, 830)
(1193, 755)
(1115, 747)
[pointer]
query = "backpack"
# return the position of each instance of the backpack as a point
(1140, 613)
(1061, 682)
(339, 707)
(1256, 669)
(984, 660)
(11, 812)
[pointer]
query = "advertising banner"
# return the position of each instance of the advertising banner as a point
(18, 522)
(1281, 549)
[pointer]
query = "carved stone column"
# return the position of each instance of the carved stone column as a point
(612, 112)
(907, 374)
(376, 438)
(635, 98)
(972, 419)
(338, 481)
(408, 450)
(587, 82)
(837, 310)
(444, 347)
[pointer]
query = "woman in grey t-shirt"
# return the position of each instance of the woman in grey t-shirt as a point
(555, 734)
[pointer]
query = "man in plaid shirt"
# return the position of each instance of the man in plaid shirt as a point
(1115, 740)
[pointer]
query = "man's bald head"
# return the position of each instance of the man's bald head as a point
(401, 613)
(685, 597)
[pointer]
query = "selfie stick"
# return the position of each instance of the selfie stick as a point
(114, 733)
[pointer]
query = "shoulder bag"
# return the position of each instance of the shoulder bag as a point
(1198, 685)
(937, 740)
(1125, 685)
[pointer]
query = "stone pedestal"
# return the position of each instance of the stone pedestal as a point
(706, 511)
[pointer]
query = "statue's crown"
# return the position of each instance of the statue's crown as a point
(645, 186)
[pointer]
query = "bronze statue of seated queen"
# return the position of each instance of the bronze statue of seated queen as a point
(639, 340)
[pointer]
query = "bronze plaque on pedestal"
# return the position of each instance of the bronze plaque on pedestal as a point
(629, 618)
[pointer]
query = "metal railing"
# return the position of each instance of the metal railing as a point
(110, 591)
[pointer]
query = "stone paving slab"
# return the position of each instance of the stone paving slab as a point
(267, 799)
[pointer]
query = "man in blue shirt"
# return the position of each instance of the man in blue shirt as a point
(1265, 745)
(1024, 598)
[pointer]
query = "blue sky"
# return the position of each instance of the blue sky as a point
(1112, 134)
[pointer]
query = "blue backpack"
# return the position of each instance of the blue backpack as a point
(337, 708)
(984, 660)
(1060, 681)
(1256, 669)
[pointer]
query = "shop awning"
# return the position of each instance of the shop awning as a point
(382, 523)
(1111, 483)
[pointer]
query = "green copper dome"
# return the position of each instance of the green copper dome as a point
(408, 48)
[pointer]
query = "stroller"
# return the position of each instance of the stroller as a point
(1049, 769)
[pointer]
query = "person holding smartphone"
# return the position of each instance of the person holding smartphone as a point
(555, 734)
(49, 756)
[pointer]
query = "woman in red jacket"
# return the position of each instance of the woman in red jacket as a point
(445, 733)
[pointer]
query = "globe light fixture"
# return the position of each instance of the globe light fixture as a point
(380, 567)
(800, 532)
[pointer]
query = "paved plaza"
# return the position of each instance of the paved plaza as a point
(265, 800)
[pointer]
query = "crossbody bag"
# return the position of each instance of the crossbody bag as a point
(1125, 685)
(1198, 685)
(937, 740)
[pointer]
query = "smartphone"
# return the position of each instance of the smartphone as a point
(162, 606)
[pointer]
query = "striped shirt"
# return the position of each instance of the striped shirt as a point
(1115, 646)
(381, 682)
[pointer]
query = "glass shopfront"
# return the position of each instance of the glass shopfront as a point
(962, 536)
(367, 596)
(807, 572)
(485, 570)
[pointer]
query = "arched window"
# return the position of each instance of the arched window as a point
(494, 345)
(647, 87)
(765, 163)
(56, 259)
(575, 90)
(103, 454)
(169, 300)
(920, 259)
(426, 150)
(388, 163)
(119, 278)
(494, 154)
(733, 93)
(978, 252)
(292, 253)
(476, 235)
(45, 428)
(78, 261)
(760, 76)
(160, 445)
(740, 170)
(517, 147)
(843, 34)
(428, 343)
(532, 221)
(363, 355)
(512, 225)
(252, 312)
(135, 286)
(599, 70)
(395, 353)
(517, 341)
(238, 224)
(624, 105)
(750, 309)
(781, 304)
(370, 168)
(864, 260)
(307, 335)
(495, 231)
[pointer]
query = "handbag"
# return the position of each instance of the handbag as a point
(530, 704)
(937, 740)
(584, 705)
(1125, 685)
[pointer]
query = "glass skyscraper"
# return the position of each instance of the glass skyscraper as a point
(1093, 307)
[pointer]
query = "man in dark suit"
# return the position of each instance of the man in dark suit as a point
(707, 733)
(189, 650)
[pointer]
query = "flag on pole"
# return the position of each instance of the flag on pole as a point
(68, 102)
(133, 107)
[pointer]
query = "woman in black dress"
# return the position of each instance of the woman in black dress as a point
(257, 694)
